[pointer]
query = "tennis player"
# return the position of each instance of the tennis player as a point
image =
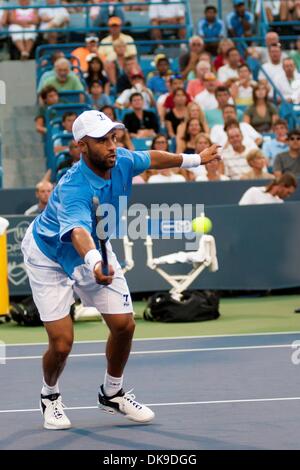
(62, 257)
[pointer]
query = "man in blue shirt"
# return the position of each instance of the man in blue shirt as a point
(240, 22)
(211, 27)
(62, 257)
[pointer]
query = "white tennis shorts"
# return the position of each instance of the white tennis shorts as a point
(53, 291)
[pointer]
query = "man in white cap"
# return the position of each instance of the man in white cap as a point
(61, 253)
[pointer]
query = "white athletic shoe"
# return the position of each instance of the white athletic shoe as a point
(125, 404)
(52, 409)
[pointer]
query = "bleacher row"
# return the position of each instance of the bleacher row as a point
(72, 100)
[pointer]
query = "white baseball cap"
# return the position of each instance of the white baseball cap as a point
(93, 124)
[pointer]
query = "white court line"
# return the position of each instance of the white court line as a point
(164, 351)
(235, 335)
(183, 403)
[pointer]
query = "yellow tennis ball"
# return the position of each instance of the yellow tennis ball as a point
(201, 225)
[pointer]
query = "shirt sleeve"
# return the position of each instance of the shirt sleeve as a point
(75, 210)
(141, 162)
(277, 165)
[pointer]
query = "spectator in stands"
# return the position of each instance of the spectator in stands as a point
(123, 139)
(290, 10)
(211, 27)
(96, 71)
(288, 83)
(224, 45)
(187, 143)
(49, 97)
(207, 99)
(3, 18)
(166, 14)
(219, 136)
(295, 55)
(93, 11)
(157, 81)
(115, 68)
(231, 68)
(194, 87)
(289, 161)
(193, 112)
(97, 95)
(64, 79)
(105, 12)
(215, 116)
(213, 172)
(279, 144)
(43, 191)
(83, 53)
(262, 53)
(110, 112)
(23, 19)
(241, 89)
(140, 123)
(240, 22)
(278, 190)
(49, 73)
(188, 60)
(176, 81)
(53, 18)
(130, 67)
(72, 157)
(273, 68)
(234, 154)
(67, 123)
(262, 114)
(257, 162)
(137, 85)
(106, 49)
(178, 114)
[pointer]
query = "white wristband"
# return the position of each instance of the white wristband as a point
(91, 258)
(190, 160)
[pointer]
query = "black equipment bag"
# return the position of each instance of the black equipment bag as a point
(193, 307)
(25, 313)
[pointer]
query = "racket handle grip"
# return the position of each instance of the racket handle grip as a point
(104, 258)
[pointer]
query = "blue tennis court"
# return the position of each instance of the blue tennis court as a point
(224, 392)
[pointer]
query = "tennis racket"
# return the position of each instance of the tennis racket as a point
(101, 236)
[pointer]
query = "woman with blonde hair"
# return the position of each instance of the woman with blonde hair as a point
(186, 143)
(258, 163)
(193, 112)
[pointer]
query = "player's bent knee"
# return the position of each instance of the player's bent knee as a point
(124, 326)
(62, 348)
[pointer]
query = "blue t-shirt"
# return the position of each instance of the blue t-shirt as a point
(272, 148)
(234, 21)
(211, 30)
(71, 205)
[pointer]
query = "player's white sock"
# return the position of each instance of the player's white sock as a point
(111, 384)
(47, 390)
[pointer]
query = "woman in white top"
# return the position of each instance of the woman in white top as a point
(53, 18)
(23, 19)
(242, 89)
(274, 193)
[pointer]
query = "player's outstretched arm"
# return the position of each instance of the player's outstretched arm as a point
(161, 160)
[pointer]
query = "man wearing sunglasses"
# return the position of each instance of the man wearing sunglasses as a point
(289, 161)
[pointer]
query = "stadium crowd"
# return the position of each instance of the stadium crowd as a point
(209, 93)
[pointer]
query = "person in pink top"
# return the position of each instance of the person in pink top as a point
(20, 20)
(195, 86)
